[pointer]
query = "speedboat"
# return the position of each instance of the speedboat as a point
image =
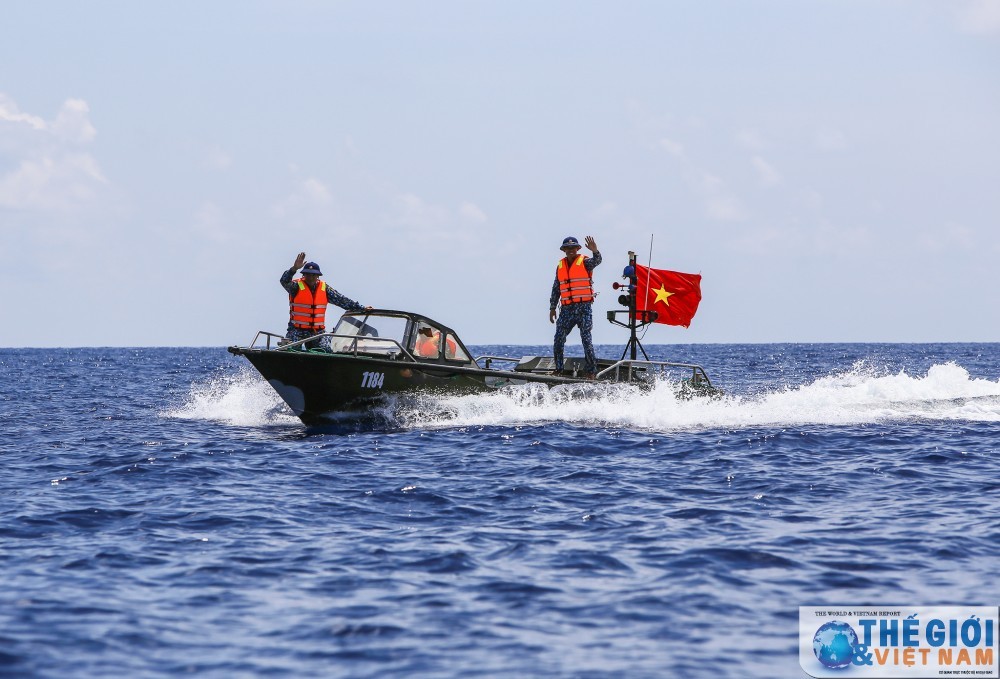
(376, 354)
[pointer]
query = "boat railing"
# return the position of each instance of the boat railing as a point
(279, 339)
(698, 376)
(488, 359)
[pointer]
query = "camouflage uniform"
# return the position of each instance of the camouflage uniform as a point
(580, 314)
(332, 296)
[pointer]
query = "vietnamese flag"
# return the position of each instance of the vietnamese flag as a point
(672, 295)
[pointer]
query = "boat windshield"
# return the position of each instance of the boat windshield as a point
(382, 335)
(429, 340)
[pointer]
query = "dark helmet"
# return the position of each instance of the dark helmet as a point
(312, 267)
(569, 242)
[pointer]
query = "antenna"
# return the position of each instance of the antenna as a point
(649, 264)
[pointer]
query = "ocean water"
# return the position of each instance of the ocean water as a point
(162, 514)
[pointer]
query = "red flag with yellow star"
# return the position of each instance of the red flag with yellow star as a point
(672, 295)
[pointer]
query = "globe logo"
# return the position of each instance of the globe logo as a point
(834, 644)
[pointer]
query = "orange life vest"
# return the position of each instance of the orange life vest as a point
(450, 348)
(575, 284)
(430, 347)
(308, 310)
(427, 347)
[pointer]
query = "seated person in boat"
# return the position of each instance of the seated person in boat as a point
(428, 344)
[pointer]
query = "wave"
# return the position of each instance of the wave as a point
(857, 396)
(242, 399)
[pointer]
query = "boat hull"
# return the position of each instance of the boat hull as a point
(319, 386)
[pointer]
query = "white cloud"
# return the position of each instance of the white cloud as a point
(751, 140)
(313, 208)
(72, 124)
(414, 211)
(724, 208)
(610, 215)
(52, 173)
(841, 240)
(218, 159)
(672, 147)
(403, 221)
(761, 240)
(813, 237)
(710, 183)
(46, 183)
(419, 224)
(720, 203)
(951, 237)
(766, 173)
(980, 17)
(472, 213)
(310, 198)
(10, 113)
(316, 192)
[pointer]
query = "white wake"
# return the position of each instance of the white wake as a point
(857, 396)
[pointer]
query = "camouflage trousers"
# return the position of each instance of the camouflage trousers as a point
(295, 334)
(580, 315)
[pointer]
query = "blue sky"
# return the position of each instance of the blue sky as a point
(830, 168)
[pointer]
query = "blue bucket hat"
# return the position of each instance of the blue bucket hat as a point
(569, 242)
(312, 267)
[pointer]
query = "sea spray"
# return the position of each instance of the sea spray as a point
(856, 396)
(242, 398)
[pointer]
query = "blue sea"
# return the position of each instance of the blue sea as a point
(163, 514)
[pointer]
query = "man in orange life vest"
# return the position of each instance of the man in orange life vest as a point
(573, 292)
(428, 344)
(308, 297)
